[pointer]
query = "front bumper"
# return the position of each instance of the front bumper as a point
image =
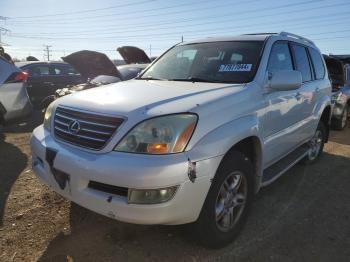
(124, 170)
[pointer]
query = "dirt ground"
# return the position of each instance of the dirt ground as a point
(303, 216)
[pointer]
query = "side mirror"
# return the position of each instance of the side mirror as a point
(285, 80)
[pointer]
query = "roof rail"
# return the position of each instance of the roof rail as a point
(297, 37)
(261, 34)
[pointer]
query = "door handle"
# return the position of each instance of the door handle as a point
(317, 89)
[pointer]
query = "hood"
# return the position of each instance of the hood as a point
(149, 97)
(91, 64)
(133, 55)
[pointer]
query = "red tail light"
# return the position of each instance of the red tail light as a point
(21, 77)
(17, 77)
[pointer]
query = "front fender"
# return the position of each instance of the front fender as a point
(221, 139)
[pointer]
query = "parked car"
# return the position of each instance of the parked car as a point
(193, 137)
(340, 91)
(44, 78)
(14, 101)
(99, 70)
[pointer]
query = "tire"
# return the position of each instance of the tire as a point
(213, 227)
(340, 124)
(316, 144)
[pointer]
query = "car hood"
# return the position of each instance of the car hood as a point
(133, 55)
(148, 97)
(91, 64)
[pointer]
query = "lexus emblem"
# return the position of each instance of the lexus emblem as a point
(74, 127)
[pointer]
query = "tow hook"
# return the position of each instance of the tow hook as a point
(192, 173)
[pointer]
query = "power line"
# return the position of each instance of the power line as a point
(124, 15)
(145, 36)
(86, 11)
(186, 26)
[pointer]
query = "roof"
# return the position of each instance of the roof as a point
(20, 64)
(249, 37)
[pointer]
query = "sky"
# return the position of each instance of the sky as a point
(156, 25)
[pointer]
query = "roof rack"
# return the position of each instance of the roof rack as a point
(286, 34)
(261, 34)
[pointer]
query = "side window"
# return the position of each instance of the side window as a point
(37, 70)
(302, 62)
(63, 70)
(318, 63)
(280, 58)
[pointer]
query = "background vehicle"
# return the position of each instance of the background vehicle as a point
(44, 78)
(340, 91)
(194, 136)
(14, 101)
(97, 69)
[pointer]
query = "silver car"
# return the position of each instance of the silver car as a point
(339, 75)
(14, 100)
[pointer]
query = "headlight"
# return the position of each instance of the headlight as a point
(160, 135)
(48, 116)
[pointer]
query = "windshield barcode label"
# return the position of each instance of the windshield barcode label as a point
(235, 68)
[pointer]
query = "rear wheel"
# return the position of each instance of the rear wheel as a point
(226, 206)
(316, 144)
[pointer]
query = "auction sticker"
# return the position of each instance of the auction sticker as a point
(235, 68)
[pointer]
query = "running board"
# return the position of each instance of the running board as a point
(279, 168)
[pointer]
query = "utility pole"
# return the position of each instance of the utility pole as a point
(182, 38)
(47, 50)
(150, 50)
(3, 31)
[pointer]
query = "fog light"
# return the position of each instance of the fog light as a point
(151, 196)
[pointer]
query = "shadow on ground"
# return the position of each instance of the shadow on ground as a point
(25, 125)
(303, 216)
(12, 163)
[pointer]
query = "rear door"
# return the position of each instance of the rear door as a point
(283, 109)
(39, 81)
(63, 75)
(310, 90)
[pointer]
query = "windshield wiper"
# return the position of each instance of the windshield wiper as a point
(197, 79)
(150, 78)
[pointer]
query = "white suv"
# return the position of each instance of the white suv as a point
(201, 130)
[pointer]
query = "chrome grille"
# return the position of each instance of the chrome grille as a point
(85, 129)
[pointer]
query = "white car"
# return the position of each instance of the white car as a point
(14, 101)
(192, 138)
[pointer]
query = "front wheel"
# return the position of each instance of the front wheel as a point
(226, 206)
(316, 144)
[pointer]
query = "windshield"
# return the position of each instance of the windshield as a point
(222, 62)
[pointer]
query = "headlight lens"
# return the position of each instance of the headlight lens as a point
(160, 135)
(48, 116)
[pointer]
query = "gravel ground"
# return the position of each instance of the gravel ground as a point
(303, 216)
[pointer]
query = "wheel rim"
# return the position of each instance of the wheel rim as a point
(344, 117)
(231, 201)
(315, 145)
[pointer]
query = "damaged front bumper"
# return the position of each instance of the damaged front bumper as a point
(101, 182)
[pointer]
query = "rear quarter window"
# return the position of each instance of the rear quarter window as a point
(302, 62)
(318, 63)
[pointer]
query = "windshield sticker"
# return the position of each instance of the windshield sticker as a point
(235, 68)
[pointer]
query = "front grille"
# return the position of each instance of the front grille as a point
(115, 190)
(91, 130)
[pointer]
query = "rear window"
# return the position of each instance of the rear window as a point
(223, 62)
(318, 63)
(302, 62)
